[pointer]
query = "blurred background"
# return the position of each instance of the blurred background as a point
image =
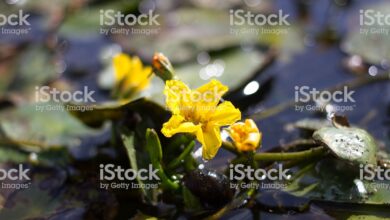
(67, 44)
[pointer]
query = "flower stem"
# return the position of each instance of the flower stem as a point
(230, 147)
(283, 156)
(168, 183)
(177, 161)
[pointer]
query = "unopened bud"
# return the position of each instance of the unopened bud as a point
(162, 67)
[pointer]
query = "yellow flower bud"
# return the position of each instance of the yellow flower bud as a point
(246, 136)
(162, 67)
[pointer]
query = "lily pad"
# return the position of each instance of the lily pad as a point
(334, 180)
(50, 195)
(352, 144)
(373, 47)
(312, 124)
(99, 113)
(86, 22)
(35, 67)
(41, 123)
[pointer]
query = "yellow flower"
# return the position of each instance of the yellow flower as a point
(198, 112)
(130, 74)
(246, 136)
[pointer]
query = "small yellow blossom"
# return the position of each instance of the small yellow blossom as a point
(130, 74)
(198, 112)
(246, 136)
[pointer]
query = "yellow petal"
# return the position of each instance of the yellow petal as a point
(141, 81)
(122, 66)
(211, 141)
(177, 95)
(136, 71)
(225, 114)
(208, 96)
(253, 140)
(176, 124)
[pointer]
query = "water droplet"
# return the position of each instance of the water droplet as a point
(251, 88)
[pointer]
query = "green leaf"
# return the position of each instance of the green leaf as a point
(312, 124)
(86, 22)
(153, 146)
(50, 194)
(35, 66)
(97, 114)
(191, 203)
(128, 141)
(43, 124)
(351, 144)
(373, 47)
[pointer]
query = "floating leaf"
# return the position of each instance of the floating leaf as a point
(333, 181)
(35, 67)
(31, 123)
(281, 201)
(312, 124)
(86, 22)
(373, 46)
(352, 144)
(97, 114)
(51, 196)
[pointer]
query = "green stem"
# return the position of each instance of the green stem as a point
(154, 148)
(283, 156)
(230, 147)
(168, 183)
(177, 161)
